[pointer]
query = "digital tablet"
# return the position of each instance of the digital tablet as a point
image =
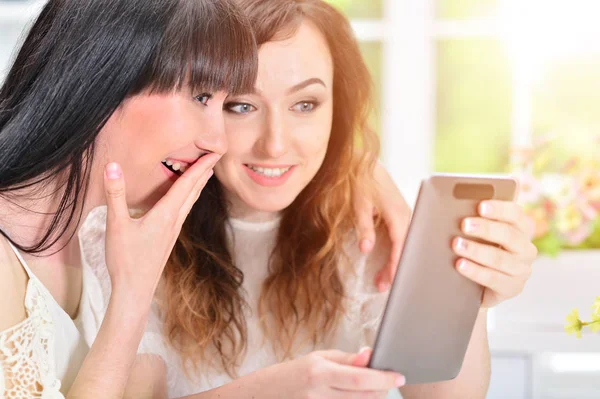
(432, 308)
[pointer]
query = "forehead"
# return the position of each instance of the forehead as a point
(304, 55)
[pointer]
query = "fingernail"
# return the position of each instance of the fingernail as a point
(363, 351)
(462, 264)
(486, 209)
(471, 226)
(113, 171)
(366, 245)
(383, 287)
(400, 380)
(461, 244)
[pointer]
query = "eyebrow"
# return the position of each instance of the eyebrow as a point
(306, 83)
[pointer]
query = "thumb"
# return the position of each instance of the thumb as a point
(339, 357)
(362, 358)
(114, 190)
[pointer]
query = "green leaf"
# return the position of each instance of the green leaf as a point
(549, 244)
(593, 241)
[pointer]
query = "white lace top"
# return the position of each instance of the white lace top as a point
(251, 244)
(40, 357)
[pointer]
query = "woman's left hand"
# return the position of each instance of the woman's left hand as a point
(502, 271)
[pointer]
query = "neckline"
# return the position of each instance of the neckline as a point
(245, 225)
(33, 277)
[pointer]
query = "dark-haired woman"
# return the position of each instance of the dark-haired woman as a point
(101, 93)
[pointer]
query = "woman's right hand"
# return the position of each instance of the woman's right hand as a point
(330, 374)
(138, 249)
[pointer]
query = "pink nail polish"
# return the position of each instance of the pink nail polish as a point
(366, 245)
(400, 380)
(471, 226)
(487, 209)
(113, 171)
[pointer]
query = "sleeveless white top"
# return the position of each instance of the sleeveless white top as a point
(40, 356)
(251, 245)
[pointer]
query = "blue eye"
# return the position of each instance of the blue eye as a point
(304, 106)
(203, 98)
(240, 108)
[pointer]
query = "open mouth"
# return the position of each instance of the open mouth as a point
(272, 173)
(178, 166)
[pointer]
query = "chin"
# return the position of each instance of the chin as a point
(272, 205)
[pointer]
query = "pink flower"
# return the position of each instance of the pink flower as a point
(529, 189)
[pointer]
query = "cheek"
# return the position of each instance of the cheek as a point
(241, 135)
(312, 139)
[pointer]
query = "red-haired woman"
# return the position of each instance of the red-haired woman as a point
(266, 285)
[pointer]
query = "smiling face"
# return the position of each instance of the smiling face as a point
(278, 135)
(156, 136)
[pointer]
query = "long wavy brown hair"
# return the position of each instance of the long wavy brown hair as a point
(302, 300)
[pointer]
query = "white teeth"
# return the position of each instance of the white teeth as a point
(269, 172)
(175, 167)
(164, 161)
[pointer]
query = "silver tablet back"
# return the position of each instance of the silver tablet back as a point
(432, 308)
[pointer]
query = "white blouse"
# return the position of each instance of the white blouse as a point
(250, 245)
(40, 356)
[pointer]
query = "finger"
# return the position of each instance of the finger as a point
(183, 188)
(491, 279)
(337, 356)
(490, 256)
(340, 394)
(397, 234)
(397, 226)
(114, 190)
(506, 211)
(362, 379)
(187, 207)
(500, 233)
(365, 228)
(362, 358)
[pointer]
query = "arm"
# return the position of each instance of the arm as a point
(148, 378)
(328, 374)
(474, 377)
(107, 365)
(135, 269)
(325, 374)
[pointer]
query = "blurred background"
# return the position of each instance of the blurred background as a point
(491, 86)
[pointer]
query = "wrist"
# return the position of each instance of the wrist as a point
(129, 306)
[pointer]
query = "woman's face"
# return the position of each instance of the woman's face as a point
(147, 129)
(278, 135)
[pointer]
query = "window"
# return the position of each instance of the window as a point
(470, 86)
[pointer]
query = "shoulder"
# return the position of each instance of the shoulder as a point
(13, 287)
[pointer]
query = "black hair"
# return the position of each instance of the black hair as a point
(81, 60)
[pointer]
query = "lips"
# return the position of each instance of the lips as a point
(178, 166)
(269, 176)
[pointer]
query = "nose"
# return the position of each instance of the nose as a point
(274, 142)
(212, 136)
